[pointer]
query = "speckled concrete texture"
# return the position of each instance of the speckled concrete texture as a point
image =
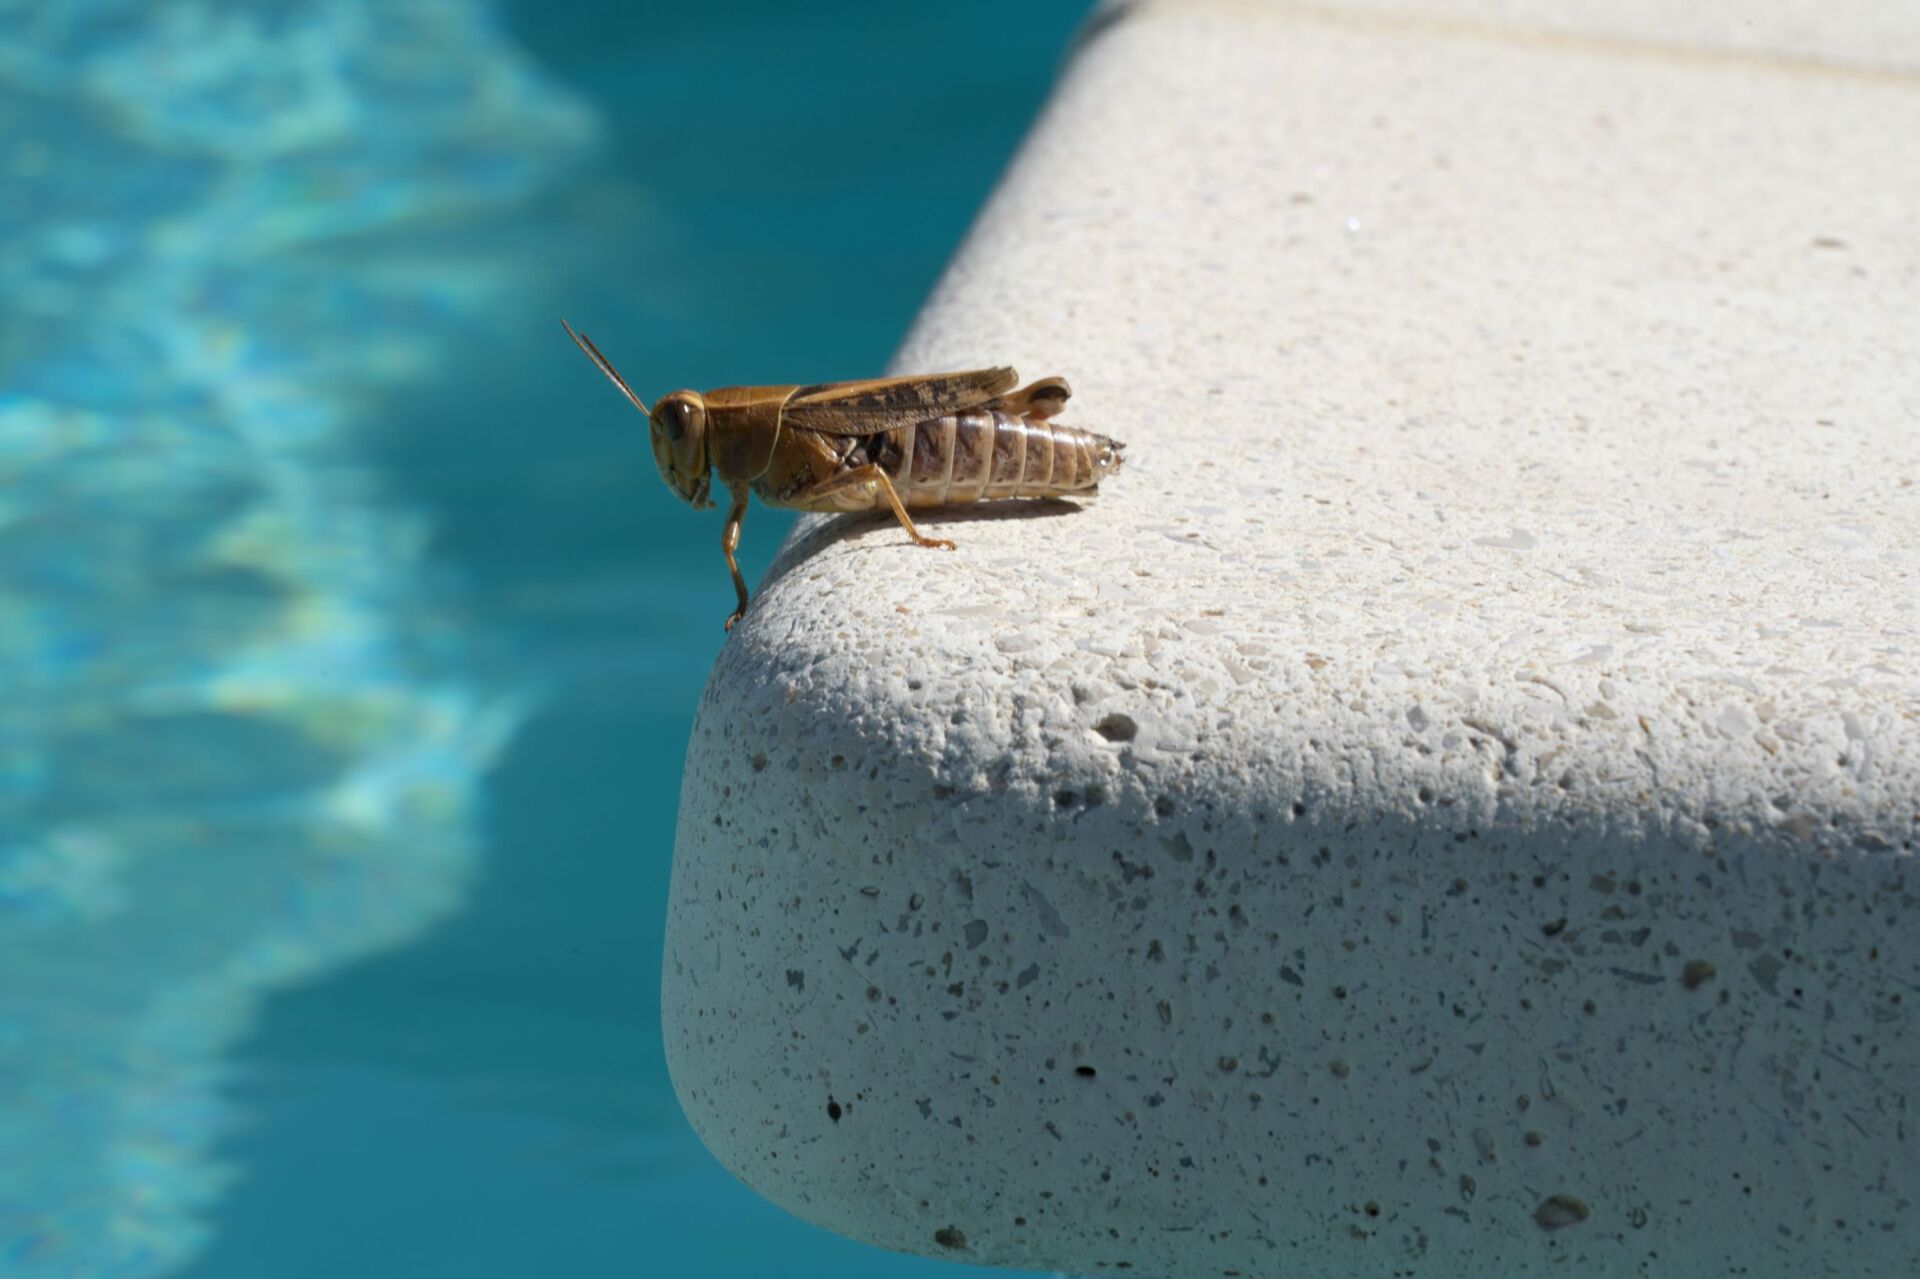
(1448, 809)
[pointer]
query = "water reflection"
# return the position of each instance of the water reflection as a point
(238, 742)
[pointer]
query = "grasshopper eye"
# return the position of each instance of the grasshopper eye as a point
(679, 415)
(674, 415)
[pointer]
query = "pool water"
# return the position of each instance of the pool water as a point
(349, 642)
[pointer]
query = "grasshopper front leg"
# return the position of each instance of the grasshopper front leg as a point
(729, 540)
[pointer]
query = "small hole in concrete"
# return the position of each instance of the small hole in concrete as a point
(1557, 1212)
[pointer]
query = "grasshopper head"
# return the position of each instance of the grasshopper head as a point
(679, 431)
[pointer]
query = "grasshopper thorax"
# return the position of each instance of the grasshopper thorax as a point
(678, 426)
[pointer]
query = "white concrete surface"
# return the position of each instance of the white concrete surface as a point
(1448, 809)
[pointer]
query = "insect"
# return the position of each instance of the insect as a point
(937, 439)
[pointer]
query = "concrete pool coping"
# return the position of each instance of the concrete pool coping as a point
(1448, 805)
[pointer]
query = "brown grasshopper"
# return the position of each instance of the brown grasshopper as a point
(930, 440)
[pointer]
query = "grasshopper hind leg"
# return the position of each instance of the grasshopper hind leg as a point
(1042, 399)
(871, 478)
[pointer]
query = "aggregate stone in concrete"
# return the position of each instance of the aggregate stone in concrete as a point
(1448, 808)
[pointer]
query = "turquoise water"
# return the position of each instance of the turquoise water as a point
(349, 642)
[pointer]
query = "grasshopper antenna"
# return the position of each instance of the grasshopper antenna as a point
(600, 362)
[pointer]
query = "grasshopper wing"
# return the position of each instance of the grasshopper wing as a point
(891, 403)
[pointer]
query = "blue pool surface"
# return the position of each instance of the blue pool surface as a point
(349, 642)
